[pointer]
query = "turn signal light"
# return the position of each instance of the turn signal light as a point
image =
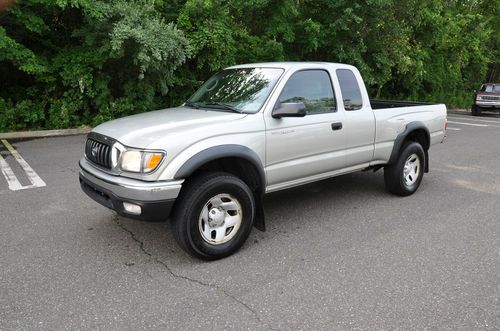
(151, 161)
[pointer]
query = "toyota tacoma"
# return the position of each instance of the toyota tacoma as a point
(250, 130)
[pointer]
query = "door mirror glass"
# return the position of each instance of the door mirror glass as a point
(290, 109)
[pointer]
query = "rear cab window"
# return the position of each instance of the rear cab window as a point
(349, 87)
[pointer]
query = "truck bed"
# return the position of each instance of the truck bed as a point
(381, 104)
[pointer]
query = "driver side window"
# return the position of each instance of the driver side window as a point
(313, 88)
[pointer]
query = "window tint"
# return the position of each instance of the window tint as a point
(313, 88)
(350, 90)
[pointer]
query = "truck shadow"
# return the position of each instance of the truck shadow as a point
(339, 192)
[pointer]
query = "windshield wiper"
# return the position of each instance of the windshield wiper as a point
(224, 106)
(192, 104)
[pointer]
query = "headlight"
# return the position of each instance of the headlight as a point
(139, 161)
(131, 161)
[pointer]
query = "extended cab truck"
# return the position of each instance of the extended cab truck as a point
(250, 130)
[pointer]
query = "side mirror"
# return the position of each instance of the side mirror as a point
(295, 109)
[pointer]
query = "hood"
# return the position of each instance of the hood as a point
(484, 94)
(143, 129)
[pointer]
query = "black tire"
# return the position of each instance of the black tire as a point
(194, 197)
(394, 175)
(476, 111)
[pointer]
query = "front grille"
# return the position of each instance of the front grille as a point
(487, 97)
(98, 153)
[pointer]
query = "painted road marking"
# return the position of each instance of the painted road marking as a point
(7, 172)
(453, 129)
(9, 175)
(471, 124)
(473, 119)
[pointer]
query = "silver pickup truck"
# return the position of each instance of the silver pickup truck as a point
(250, 130)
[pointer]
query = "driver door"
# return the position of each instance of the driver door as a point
(301, 148)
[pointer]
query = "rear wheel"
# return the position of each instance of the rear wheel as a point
(404, 176)
(214, 215)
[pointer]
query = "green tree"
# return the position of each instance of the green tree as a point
(70, 62)
(73, 62)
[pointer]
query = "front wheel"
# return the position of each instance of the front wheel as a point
(404, 176)
(476, 111)
(214, 215)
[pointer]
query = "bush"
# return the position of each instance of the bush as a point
(67, 63)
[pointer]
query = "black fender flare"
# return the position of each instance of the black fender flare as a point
(401, 138)
(229, 150)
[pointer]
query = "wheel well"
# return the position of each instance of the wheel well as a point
(420, 136)
(238, 167)
(417, 133)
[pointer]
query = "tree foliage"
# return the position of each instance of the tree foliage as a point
(70, 62)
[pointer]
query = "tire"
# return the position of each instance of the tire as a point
(206, 229)
(405, 182)
(476, 111)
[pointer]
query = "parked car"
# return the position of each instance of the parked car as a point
(487, 98)
(250, 130)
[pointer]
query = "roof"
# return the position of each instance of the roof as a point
(288, 65)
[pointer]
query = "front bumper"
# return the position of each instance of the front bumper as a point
(488, 104)
(155, 199)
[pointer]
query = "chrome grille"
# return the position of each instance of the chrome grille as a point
(98, 153)
(487, 97)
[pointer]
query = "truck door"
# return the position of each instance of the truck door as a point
(302, 147)
(359, 120)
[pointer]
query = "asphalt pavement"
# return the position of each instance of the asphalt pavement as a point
(338, 254)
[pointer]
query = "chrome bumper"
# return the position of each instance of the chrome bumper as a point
(488, 103)
(131, 189)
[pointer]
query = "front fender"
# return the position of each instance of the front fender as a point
(218, 152)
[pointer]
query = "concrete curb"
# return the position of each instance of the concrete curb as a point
(459, 111)
(44, 133)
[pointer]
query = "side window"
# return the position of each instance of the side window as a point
(350, 90)
(313, 88)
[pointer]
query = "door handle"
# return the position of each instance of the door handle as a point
(336, 126)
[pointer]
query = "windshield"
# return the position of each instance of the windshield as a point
(242, 90)
(490, 88)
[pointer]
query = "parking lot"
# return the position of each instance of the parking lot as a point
(338, 254)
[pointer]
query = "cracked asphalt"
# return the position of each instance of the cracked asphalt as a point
(338, 254)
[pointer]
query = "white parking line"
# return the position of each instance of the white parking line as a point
(9, 175)
(471, 124)
(7, 172)
(453, 129)
(473, 119)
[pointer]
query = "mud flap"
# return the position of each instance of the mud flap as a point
(259, 222)
(426, 168)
